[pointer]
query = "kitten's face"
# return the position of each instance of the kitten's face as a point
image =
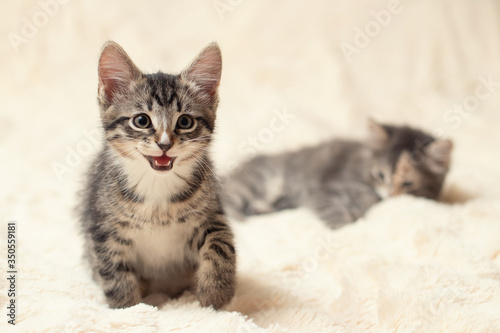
(408, 161)
(161, 120)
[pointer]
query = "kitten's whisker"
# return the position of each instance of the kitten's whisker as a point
(107, 152)
(206, 166)
(201, 138)
(125, 161)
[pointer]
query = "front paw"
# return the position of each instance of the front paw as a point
(122, 293)
(122, 301)
(216, 292)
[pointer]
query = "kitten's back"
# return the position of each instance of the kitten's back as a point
(269, 183)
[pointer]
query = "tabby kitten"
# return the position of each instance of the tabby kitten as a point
(341, 179)
(152, 216)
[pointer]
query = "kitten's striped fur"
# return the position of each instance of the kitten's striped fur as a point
(341, 179)
(157, 231)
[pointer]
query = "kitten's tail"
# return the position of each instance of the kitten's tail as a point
(256, 187)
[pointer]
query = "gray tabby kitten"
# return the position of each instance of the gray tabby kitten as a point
(341, 179)
(151, 211)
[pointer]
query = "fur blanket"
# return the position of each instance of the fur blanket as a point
(295, 73)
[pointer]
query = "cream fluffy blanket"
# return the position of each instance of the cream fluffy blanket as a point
(295, 73)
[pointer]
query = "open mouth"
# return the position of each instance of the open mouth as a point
(161, 163)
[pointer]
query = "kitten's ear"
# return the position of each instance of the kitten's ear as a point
(378, 135)
(439, 155)
(205, 71)
(116, 71)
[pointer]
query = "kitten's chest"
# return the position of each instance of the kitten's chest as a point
(155, 247)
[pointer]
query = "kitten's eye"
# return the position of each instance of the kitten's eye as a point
(406, 184)
(142, 121)
(185, 122)
(381, 175)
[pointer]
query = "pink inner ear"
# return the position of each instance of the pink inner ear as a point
(115, 71)
(440, 154)
(206, 70)
(377, 132)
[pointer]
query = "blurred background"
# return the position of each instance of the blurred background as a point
(325, 65)
(294, 73)
(321, 67)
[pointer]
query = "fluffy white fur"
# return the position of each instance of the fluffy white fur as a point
(411, 265)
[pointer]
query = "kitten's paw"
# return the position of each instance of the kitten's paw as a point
(120, 303)
(156, 299)
(122, 296)
(215, 294)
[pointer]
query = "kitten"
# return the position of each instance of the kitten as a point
(340, 179)
(151, 212)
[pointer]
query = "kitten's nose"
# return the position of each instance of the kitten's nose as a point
(164, 142)
(164, 146)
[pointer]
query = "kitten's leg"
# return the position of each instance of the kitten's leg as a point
(216, 275)
(114, 272)
(331, 208)
(256, 187)
(342, 203)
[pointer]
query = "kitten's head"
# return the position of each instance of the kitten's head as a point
(408, 161)
(159, 119)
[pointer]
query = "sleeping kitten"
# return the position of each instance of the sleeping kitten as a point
(151, 212)
(341, 179)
